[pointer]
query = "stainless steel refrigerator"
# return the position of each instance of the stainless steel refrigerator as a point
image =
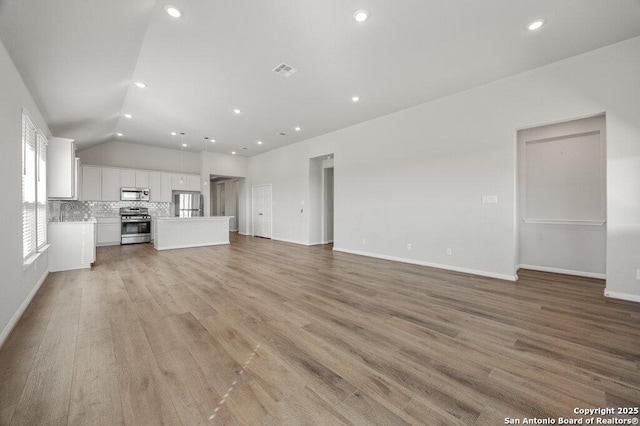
(188, 204)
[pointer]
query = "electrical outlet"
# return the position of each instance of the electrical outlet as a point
(409, 246)
(364, 242)
(449, 252)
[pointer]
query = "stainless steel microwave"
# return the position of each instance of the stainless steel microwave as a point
(134, 194)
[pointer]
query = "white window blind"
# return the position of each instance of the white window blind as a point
(34, 189)
(41, 192)
(28, 188)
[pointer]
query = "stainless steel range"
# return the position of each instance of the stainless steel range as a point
(136, 225)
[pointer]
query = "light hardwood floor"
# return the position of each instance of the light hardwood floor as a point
(263, 332)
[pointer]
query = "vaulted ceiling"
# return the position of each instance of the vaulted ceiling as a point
(80, 59)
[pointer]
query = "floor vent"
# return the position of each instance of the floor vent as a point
(285, 70)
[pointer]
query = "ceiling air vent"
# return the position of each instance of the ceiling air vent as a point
(285, 70)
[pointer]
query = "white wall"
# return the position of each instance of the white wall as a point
(575, 249)
(287, 170)
(16, 286)
(135, 156)
(417, 175)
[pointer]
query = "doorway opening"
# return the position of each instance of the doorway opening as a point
(328, 206)
(321, 199)
(225, 199)
(561, 198)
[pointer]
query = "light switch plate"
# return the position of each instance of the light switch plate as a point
(489, 199)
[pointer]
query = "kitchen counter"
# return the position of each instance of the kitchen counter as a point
(183, 232)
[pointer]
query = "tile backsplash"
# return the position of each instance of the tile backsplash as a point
(85, 209)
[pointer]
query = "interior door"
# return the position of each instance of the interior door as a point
(261, 202)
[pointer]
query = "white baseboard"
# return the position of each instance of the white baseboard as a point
(564, 271)
(430, 264)
(16, 317)
(284, 240)
(622, 296)
(244, 233)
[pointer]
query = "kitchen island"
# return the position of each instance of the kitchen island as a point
(183, 232)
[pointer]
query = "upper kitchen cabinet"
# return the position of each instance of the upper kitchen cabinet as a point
(159, 187)
(165, 195)
(128, 179)
(142, 179)
(193, 182)
(111, 184)
(134, 178)
(155, 186)
(185, 182)
(179, 182)
(91, 183)
(61, 169)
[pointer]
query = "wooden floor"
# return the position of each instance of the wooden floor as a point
(270, 333)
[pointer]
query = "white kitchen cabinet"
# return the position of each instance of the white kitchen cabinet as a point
(142, 179)
(155, 186)
(127, 179)
(109, 230)
(72, 245)
(193, 182)
(61, 169)
(91, 183)
(179, 182)
(185, 182)
(111, 184)
(166, 187)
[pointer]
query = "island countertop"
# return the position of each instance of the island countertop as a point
(196, 218)
(184, 232)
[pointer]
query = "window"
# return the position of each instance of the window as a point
(34, 189)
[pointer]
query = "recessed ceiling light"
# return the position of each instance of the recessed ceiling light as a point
(355, 99)
(361, 15)
(297, 128)
(119, 134)
(237, 111)
(128, 116)
(233, 152)
(173, 133)
(259, 142)
(140, 84)
(173, 11)
(213, 140)
(534, 25)
(184, 144)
